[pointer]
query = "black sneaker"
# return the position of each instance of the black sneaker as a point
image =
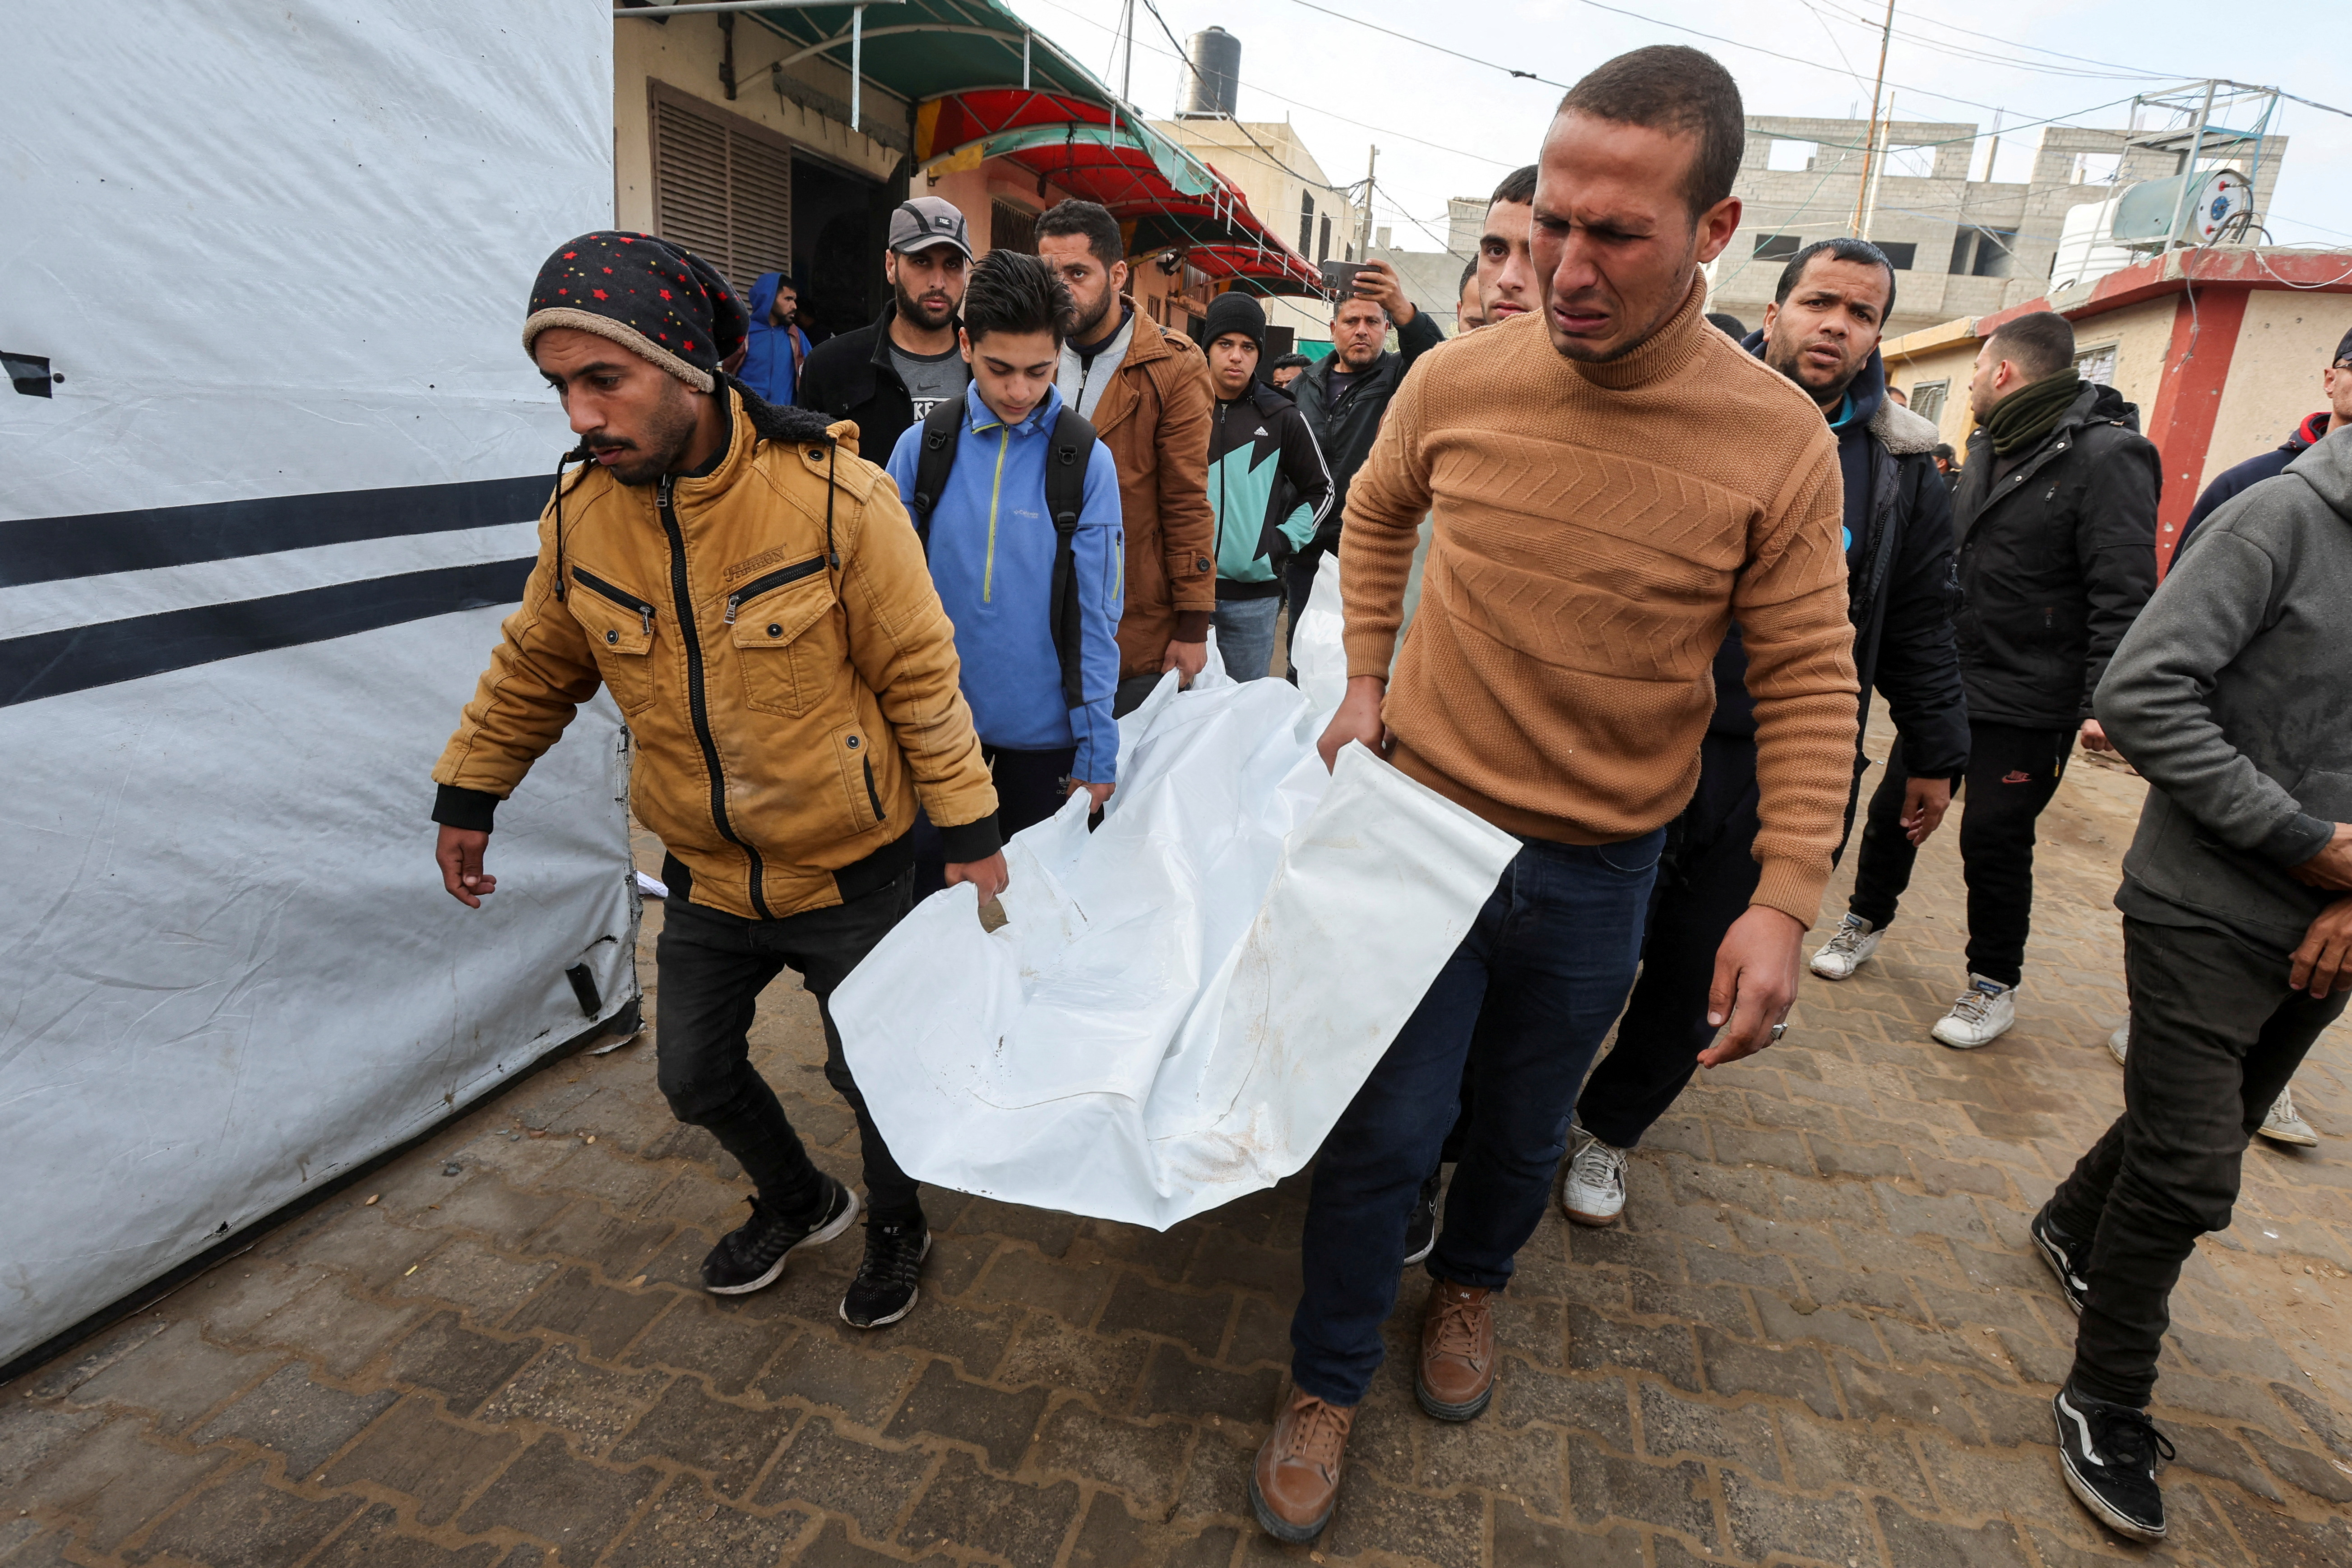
(2066, 1259)
(1421, 1230)
(2109, 1453)
(884, 1290)
(749, 1257)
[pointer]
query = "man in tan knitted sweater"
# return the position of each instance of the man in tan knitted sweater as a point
(1613, 481)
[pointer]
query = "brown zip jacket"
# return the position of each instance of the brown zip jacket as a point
(1154, 418)
(775, 645)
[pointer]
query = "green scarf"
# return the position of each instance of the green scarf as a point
(2019, 420)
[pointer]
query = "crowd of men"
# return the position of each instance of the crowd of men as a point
(1620, 579)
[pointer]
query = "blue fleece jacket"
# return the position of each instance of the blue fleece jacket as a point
(992, 553)
(767, 351)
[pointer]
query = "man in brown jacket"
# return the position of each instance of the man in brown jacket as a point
(1611, 482)
(1147, 392)
(751, 594)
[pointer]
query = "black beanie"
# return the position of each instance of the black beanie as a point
(1235, 311)
(662, 303)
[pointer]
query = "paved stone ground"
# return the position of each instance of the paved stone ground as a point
(1818, 1337)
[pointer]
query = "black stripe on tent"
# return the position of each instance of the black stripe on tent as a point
(49, 664)
(46, 549)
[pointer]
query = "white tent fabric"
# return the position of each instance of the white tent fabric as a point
(255, 544)
(1181, 1002)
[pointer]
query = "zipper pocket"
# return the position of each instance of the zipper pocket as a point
(776, 579)
(873, 795)
(601, 589)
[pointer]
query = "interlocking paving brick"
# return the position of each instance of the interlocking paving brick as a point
(690, 1528)
(1788, 1372)
(964, 1506)
(727, 1442)
(1596, 1343)
(1521, 1539)
(1175, 1382)
(1142, 1460)
(1137, 1305)
(245, 1522)
(453, 1361)
(175, 1374)
(334, 1330)
(865, 1384)
(1372, 1516)
(589, 1403)
(30, 1433)
(603, 1318)
(822, 1467)
(417, 1453)
(1601, 1487)
(943, 1404)
(1673, 1426)
(697, 1335)
(293, 1413)
(571, 1506)
(1072, 1291)
(1915, 1542)
(1763, 1521)
(110, 1480)
(377, 1539)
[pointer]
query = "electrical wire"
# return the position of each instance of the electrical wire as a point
(1423, 43)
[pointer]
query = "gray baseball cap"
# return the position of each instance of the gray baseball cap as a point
(926, 221)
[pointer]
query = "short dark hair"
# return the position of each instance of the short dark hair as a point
(1944, 450)
(1091, 219)
(1673, 88)
(2041, 343)
(1469, 270)
(1011, 292)
(1726, 322)
(1518, 187)
(1285, 361)
(1838, 249)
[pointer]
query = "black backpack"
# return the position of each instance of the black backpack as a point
(1065, 493)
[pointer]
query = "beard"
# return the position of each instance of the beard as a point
(668, 430)
(1084, 330)
(1789, 361)
(930, 317)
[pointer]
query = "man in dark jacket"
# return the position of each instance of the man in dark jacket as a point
(1267, 485)
(2056, 518)
(1821, 332)
(1344, 395)
(2336, 382)
(888, 375)
(2232, 696)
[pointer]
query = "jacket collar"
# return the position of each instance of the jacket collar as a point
(1666, 353)
(751, 420)
(880, 358)
(1147, 344)
(980, 418)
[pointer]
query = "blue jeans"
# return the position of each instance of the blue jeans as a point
(1524, 1002)
(1245, 634)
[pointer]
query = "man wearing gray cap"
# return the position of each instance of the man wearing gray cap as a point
(888, 375)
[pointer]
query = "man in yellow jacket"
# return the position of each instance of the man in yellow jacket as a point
(751, 593)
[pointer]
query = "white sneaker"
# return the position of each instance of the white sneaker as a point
(1848, 950)
(1982, 1015)
(1595, 1193)
(2120, 1041)
(2284, 1126)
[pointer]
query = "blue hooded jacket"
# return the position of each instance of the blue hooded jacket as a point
(991, 556)
(768, 350)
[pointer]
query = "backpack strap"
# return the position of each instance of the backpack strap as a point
(1066, 494)
(941, 427)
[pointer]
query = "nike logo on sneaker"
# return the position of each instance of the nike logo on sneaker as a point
(2018, 776)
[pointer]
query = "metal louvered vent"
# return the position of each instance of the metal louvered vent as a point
(724, 194)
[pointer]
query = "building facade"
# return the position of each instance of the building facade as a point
(2221, 350)
(1961, 245)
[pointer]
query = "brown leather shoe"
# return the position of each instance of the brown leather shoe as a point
(1456, 1376)
(1295, 1484)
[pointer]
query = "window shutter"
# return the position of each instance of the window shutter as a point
(723, 194)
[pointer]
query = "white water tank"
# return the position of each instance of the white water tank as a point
(2087, 250)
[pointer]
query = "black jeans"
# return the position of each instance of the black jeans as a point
(1523, 1001)
(712, 967)
(1705, 880)
(1028, 791)
(2012, 775)
(2215, 1036)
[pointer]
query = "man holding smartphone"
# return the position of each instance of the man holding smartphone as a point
(1344, 394)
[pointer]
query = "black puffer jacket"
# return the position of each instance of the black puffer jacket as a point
(2056, 557)
(1344, 430)
(851, 377)
(1899, 584)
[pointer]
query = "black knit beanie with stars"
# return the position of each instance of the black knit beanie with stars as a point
(660, 302)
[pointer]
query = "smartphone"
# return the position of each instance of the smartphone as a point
(1340, 277)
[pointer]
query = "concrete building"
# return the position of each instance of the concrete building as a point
(1288, 190)
(2219, 374)
(1962, 246)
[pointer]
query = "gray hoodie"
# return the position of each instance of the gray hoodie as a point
(2232, 694)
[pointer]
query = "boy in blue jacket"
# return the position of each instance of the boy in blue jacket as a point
(1041, 701)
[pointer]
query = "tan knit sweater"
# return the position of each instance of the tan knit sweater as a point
(1597, 528)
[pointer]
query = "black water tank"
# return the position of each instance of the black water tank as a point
(1213, 70)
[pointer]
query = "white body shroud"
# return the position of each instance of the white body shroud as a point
(1181, 1002)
